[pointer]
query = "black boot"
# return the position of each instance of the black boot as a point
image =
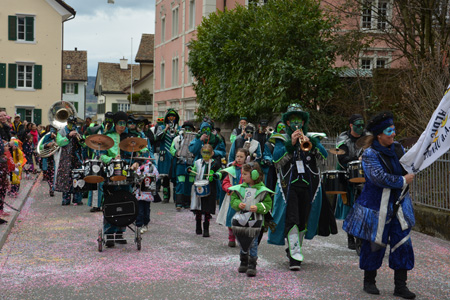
(401, 290)
(178, 201)
(206, 228)
(351, 242)
(358, 244)
(244, 263)
(166, 194)
(369, 282)
(198, 226)
(251, 270)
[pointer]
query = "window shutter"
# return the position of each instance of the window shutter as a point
(37, 114)
(29, 29)
(76, 106)
(64, 88)
(2, 75)
(38, 77)
(75, 88)
(21, 111)
(115, 107)
(12, 70)
(12, 28)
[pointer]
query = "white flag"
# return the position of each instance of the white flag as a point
(434, 141)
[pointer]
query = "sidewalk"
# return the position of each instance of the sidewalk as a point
(26, 186)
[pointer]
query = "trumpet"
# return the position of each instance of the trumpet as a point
(269, 130)
(304, 145)
(172, 130)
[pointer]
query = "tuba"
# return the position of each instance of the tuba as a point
(58, 114)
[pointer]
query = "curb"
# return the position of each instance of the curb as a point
(18, 203)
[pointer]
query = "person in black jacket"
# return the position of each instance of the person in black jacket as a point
(5, 130)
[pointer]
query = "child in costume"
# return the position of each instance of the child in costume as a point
(18, 158)
(234, 177)
(145, 197)
(252, 201)
(205, 171)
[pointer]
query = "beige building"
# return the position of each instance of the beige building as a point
(31, 43)
(75, 79)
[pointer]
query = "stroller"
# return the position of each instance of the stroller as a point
(120, 208)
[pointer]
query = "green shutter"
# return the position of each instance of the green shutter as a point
(29, 29)
(12, 70)
(75, 88)
(12, 28)
(76, 106)
(2, 75)
(37, 114)
(115, 107)
(37, 77)
(64, 88)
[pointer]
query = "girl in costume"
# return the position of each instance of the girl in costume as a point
(234, 177)
(204, 168)
(252, 201)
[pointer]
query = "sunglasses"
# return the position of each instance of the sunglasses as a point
(249, 132)
(389, 131)
(121, 123)
(207, 129)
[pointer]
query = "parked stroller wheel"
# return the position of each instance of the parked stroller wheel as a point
(100, 241)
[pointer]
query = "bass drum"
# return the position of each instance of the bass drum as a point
(334, 182)
(120, 208)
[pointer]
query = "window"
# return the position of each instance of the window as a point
(68, 67)
(25, 76)
(191, 14)
(189, 114)
(175, 22)
(30, 114)
(381, 63)
(190, 77)
(163, 74)
(21, 28)
(175, 71)
(382, 15)
(101, 108)
(70, 89)
(374, 14)
(163, 29)
(367, 15)
(123, 107)
(366, 63)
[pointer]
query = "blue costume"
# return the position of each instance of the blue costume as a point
(214, 140)
(167, 163)
(375, 217)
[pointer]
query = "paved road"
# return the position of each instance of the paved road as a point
(51, 253)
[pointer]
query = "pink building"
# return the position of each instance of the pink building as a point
(175, 26)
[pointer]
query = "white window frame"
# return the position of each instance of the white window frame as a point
(191, 14)
(70, 88)
(374, 16)
(163, 76)
(23, 39)
(374, 62)
(163, 29)
(175, 17)
(189, 114)
(31, 80)
(175, 71)
(123, 107)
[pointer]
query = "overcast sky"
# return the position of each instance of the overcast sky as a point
(105, 30)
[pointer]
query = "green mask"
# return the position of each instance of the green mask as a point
(358, 127)
(296, 123)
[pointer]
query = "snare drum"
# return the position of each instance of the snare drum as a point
(79, 184)
(356, 172)
(334, 182)
(116, 170)
(149, 184)
(93, 171)
(202, 188)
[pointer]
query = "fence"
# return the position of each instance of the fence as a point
(431, 187)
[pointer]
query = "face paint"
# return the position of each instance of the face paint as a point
(121, 123)
(281, 127)
(296, 123)
(70, 126)
(206, 130)
(206, 155)
(389, 131)
(358, 127)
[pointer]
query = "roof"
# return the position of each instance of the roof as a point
(146, 47)
(113, 79)
(66, 6)
(137, 82)
(78, 65)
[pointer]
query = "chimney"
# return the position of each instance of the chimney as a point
(123, 63)
(76, 49)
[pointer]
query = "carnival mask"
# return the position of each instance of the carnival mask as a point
(358, 127)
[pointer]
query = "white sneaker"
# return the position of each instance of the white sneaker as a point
(144, 229)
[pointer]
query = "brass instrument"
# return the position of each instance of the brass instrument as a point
(172, 130)
(58, 114)
(269, 130)
(304, 145)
